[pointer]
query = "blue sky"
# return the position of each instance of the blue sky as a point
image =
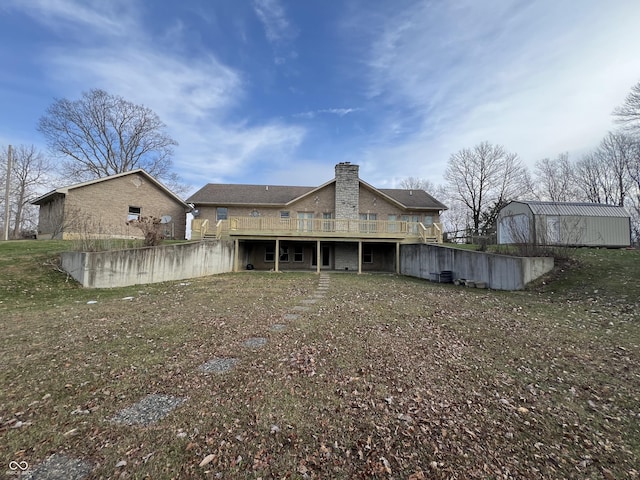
(279, 91)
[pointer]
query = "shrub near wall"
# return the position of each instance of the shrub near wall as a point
(119, 268)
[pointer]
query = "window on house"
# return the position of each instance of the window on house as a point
(270, 253)
(284, 254)
(305, 221)
(393, 225)
(298, 253)
(368, 224)
(428, 220)
(134, 213)
(284, 214)
(327, 224)
(367, 254)
(222, 213)
(412, 220)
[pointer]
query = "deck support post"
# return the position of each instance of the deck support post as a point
(398, 258)
(277, 255)
(318, 259)
(359, 257)
(236, 254)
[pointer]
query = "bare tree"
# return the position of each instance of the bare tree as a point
(415, 183)
(615, 152)
(102, 134)
(587, 177)
(554, 179)
(628, 114)
(485, 176)
(29, 174)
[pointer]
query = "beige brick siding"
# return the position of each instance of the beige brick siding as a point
(102, 208)
(319, 202)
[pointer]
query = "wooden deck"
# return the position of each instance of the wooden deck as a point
(317, 228)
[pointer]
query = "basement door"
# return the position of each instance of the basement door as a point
(325, 254)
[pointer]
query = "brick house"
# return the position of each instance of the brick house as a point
(101, 208)
(343, 224)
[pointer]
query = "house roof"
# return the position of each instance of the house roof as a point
(576, 208)
(239, 194)
(278, 195)
(47, 197)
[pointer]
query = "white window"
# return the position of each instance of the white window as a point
(134, 213)
(305, 221)
(368, 222)
(393, 225)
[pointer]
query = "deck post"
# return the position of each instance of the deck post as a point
(318, 259)
(236, 254)
(398, 258)
(277, 256)
(359, 257)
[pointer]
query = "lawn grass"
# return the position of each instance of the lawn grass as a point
(384, 377)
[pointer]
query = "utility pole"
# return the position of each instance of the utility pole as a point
(6, 196)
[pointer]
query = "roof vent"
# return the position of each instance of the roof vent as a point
(266, 187)
(410, 192)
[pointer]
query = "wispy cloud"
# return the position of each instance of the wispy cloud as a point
(273, 17)
(112, 18)
(340, 112)
(196, 96)
(524, 75)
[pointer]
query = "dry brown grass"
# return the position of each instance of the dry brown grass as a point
(385, 377)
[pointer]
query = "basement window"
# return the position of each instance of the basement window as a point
(134, 213)
(298, 253)
(367, 254)
(270, 253)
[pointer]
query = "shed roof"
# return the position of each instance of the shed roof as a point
(576, 208)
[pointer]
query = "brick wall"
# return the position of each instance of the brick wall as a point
(103, 207)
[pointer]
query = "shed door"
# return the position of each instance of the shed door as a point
(514, 229)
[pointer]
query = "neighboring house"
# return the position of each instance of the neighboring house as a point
(102, 207)
(343, 224)
(564, 224)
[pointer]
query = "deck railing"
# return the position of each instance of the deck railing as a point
(320, 227)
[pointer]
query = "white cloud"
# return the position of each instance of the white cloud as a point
(539, 78)
(340, 112)
(194, 96)
(112, 18)
(273, 17)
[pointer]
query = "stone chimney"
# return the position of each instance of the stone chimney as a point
(347, 191)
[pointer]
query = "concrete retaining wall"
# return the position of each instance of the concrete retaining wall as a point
(119, 268)
(500, 272)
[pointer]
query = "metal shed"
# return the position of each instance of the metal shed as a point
(564, 224)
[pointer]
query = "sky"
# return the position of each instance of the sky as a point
(279, 91)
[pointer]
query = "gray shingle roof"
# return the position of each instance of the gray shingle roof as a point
(576, 208)
(241, 194)
(413, 198)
